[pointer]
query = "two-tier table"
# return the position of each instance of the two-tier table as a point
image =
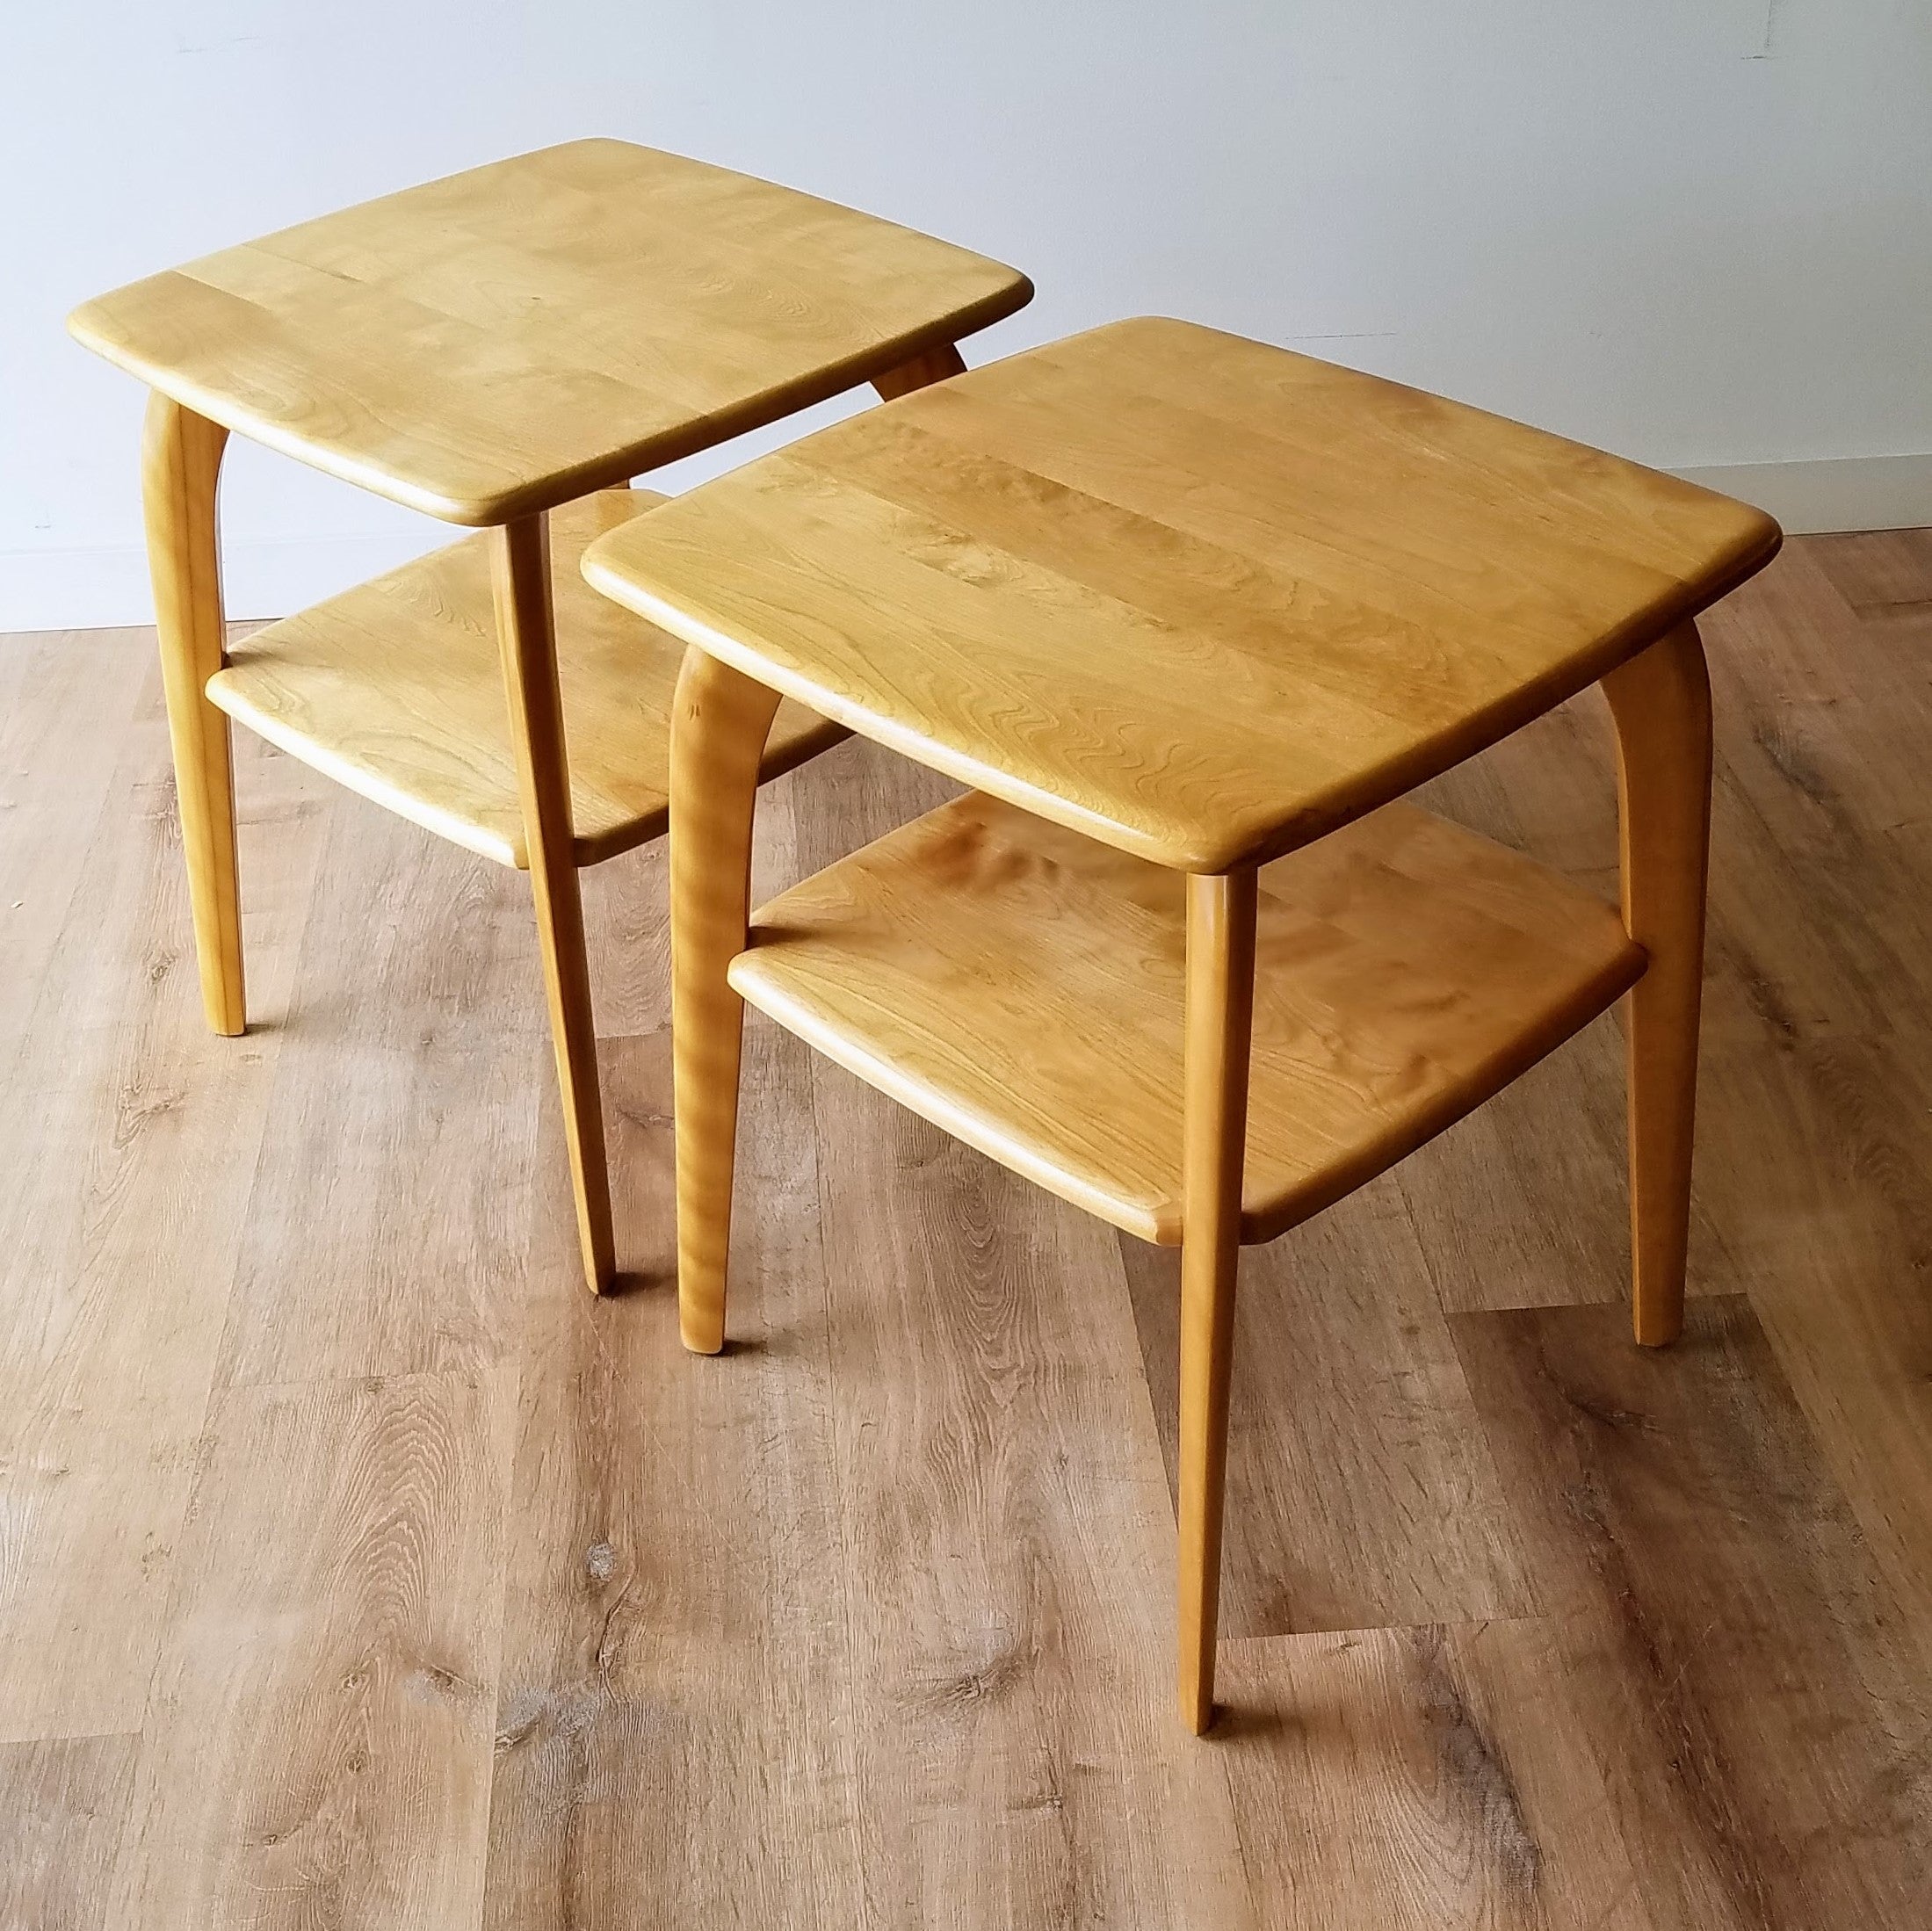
(486, 349)
(1190, 614)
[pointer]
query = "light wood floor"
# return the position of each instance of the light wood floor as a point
(356, 1570)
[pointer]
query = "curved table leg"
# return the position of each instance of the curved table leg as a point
(526, 636)
(180, 466)
(1221, 999)
(719, 719)
(1661, 704)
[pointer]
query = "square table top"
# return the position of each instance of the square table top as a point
(516, 335)
(1198, 598)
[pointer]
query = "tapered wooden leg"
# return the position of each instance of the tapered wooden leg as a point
(1661, 703)
(719, 719)
(1220, 998)
(526, 631)
(935, 366)
(180, 465)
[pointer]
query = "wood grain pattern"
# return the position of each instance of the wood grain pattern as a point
(180, 466)
(63, 1809)
(824, 1744)
(1823, 1198)
(1022, 985)
(1008, 1644)
(67, 705)
(1216, 1054)
(395, 689)
(318, 1739)
(1198, 598)
(136, 1137)
(1408, 1778)
(652, 1644)
(392, 1174)
(1526, 1202)
(1361, 1492)
(512, 338)
(1882, 576)
(1661, 703)
(519, 575)
(1640, 1483)
(1822, 972)
(718, 738)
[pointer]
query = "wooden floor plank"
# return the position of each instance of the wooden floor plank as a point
(137, 1137)
(63, 1804)
(318, 1747)
(1360, 1492)
(667, 1685)
(1819, 750)
(629, 939)
(1403, 1780)
(1761, 1711)
(1818, 1103)
(1003, 1516)
(1883, 574)
(387, 1226)
(67, 705)
(1830, 1143)
(656, 1640)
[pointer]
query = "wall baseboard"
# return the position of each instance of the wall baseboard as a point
(1844, 493)
(97, 587)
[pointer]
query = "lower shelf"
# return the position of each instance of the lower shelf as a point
(1021, 987)
(395, 689)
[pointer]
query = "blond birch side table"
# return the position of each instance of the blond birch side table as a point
(486, 349)
(1190, 614)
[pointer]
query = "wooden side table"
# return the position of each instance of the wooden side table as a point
(486, 349)
(1189, 613)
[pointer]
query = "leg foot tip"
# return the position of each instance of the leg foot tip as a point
(1198, 1712)
(702, 1337)
(1657, 1330)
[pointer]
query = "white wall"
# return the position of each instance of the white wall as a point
(1695, 231)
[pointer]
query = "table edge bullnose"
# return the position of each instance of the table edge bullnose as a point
(486, 499)
(1315, 817)
(490, 506)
